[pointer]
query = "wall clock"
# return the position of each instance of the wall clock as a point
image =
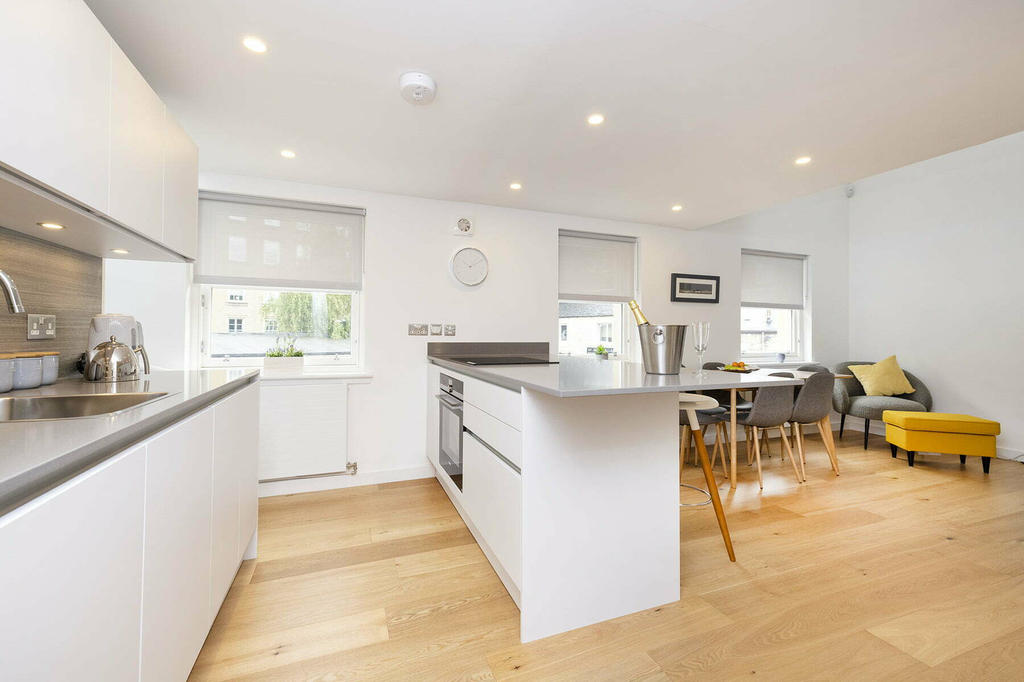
(469, 266)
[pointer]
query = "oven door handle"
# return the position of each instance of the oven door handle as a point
(453, 404)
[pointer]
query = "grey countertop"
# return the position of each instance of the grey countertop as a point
(575, 377)
(36, 456)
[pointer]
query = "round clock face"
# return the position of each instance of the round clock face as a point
(469, 266)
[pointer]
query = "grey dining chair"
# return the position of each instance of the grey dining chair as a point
(813, 367)
(773, 407)
(813, 405)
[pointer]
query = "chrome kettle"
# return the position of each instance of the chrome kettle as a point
(114, 361)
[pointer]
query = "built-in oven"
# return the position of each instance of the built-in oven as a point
(450, 450)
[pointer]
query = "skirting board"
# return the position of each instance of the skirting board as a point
(318, 483)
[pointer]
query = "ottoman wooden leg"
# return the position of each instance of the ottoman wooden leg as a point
(867, 428)
(910, 458)
(892, 448)
(985, 462)
(963, 459)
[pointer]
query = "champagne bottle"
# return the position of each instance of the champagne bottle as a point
(641, 320)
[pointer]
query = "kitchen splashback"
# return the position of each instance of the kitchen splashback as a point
(52, 280)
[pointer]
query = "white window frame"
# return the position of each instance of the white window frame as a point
(801, 319)
(235, 328)
(204, 312)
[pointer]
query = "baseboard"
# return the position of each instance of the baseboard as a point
(338, 481)
(856, 424)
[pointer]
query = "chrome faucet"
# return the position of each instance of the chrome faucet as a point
(14, 304)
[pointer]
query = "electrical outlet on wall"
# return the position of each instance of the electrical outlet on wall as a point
(449, 330)
(435, 329)
(417, 329)
(41, 327)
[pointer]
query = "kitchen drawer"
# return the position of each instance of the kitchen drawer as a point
(496, 401)
(495, 433)
(493, 497)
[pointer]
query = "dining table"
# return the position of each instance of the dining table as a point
(734, 391)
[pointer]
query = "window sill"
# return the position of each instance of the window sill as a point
(315, 372)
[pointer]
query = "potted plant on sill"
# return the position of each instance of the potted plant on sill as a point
(283, 357)
(601, 352)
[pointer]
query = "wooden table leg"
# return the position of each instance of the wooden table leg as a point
(732, 437)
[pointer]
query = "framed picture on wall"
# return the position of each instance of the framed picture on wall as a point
(694, 288)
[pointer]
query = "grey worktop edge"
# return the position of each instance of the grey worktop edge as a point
(29, 485)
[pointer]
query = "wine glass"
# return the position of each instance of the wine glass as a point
(701, 338)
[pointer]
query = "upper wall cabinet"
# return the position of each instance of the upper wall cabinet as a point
(55, 80)
(86, 142)
(180, 196)
(137, 130)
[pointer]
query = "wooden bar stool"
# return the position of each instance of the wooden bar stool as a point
(689, 403)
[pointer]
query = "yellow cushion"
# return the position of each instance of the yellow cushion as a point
(939, 421)
(946, 443)
(882, 378)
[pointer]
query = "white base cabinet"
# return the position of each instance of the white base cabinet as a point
(493, 496)
(176, 579)
(118, 573)
(71, 577)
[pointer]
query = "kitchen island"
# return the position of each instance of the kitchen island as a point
(592, 492)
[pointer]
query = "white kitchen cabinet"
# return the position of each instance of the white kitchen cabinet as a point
(492, 492)
(55, 80)
(71, 577)
(235, 444)
(181, 190)
(176, 579)
(137, 132)
(304, 429)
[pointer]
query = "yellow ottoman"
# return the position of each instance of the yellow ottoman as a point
(952, 434)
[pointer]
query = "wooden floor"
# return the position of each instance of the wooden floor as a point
(886, 572)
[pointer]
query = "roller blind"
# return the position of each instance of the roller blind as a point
(596, 267)
(772, 280)
(268, 242)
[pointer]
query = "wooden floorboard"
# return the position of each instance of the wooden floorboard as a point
(885, 572)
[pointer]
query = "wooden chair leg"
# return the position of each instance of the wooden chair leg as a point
(725, 440)
(825, 429)
(747, 445)
(716, 501)
(765, 442)
(757, 458)
(785, 444)
(798, 435)
(684, 437)
(718, 449)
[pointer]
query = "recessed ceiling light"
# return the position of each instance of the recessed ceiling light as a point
(120, 252)
(677, 208)
(51, 226)
(288, 153)
(595, 119)
(516, 185)
(802, 161)
(254, 44)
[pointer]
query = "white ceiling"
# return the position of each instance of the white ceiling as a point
(707, 101)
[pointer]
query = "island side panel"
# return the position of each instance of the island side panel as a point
(600, 508)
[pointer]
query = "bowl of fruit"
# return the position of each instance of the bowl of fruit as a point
(740, 366)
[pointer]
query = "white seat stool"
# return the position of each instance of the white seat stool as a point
(690, 403)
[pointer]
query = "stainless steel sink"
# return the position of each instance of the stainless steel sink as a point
(33, 408)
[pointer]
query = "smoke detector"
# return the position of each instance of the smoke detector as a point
(417, 88)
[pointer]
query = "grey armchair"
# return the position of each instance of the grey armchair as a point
(848, 397)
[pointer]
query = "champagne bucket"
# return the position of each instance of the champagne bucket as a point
(662, 347)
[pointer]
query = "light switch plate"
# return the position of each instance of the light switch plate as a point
(435, 329)
(417, 329)
(449, 330)
(41, 327)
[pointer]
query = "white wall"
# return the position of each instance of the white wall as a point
(408, 246)
(157, 294)
(815, 226)
(935, 252)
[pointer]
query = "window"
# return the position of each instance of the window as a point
(273, 271)
(773, 300)
(596, 278)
